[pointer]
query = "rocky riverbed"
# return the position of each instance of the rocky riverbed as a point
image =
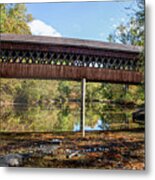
(97, 150)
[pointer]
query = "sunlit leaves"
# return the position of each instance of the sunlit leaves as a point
(14, 19)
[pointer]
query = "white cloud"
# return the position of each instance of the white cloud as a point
(38, 27)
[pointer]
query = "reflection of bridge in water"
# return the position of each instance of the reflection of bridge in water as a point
(26, 56)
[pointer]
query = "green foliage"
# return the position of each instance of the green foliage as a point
(93, 91)
(64, 89)
(14, 19)
(131, 32)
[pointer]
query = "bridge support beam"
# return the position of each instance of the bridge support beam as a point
(83, 94)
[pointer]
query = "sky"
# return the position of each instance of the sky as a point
(83, 20)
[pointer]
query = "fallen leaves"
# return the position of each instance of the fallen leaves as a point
(104, 150)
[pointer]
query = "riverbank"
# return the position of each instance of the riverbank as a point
(98, 150)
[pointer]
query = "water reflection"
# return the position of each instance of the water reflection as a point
(21, 118)
(99, 126)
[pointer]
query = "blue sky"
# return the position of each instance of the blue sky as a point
(84, 20)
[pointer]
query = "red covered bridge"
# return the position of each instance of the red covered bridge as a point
(27, 56)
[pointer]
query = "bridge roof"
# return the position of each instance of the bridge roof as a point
(59, 41)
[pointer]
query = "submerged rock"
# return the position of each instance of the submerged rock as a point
(56, 141)
(13, 160)
(48, 149)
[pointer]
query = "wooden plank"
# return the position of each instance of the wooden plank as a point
(43, 71)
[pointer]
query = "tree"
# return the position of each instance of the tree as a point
(131, 32)
(14, 19)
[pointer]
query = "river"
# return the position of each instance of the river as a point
(51, 118)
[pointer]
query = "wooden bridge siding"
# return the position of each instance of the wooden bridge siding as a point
(68, 49)
(43, 71)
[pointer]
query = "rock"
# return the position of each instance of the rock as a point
(56, 141)
(47, 149)
(139, 115)
(14, 160)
